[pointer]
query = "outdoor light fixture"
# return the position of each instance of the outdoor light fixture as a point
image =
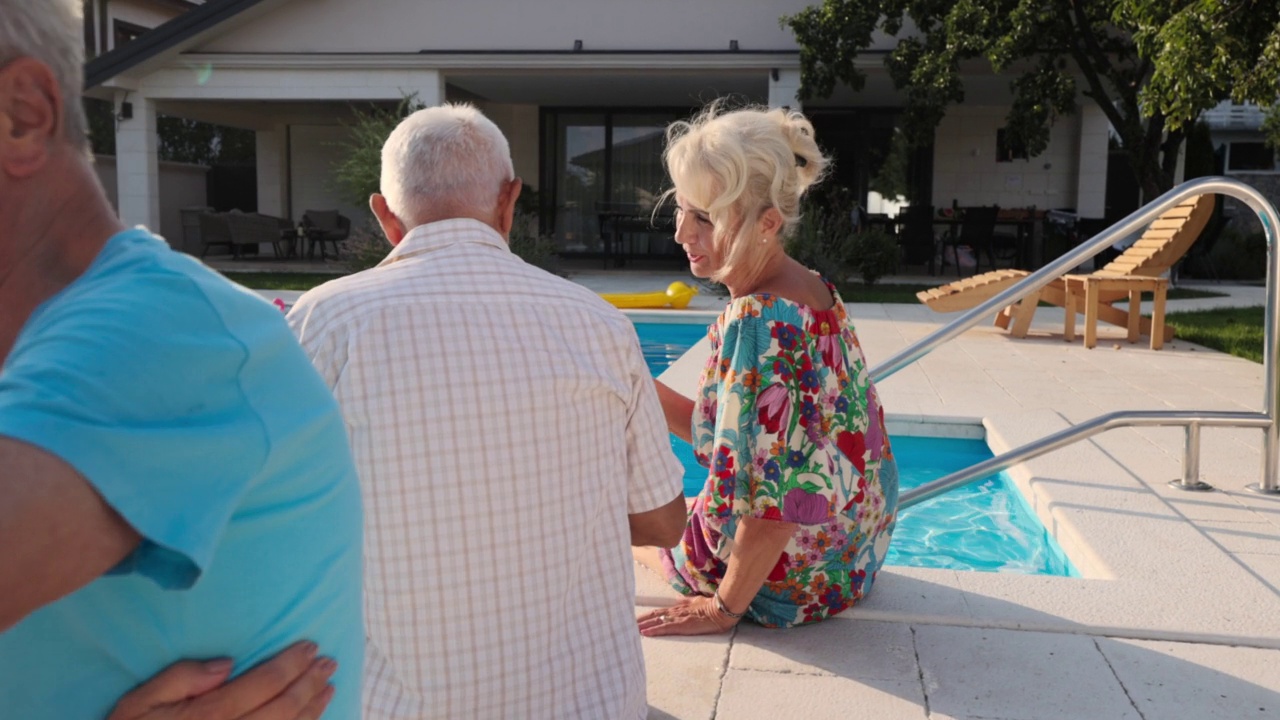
(577, 46)
(733, 46)
(773, 73)
(126, 111)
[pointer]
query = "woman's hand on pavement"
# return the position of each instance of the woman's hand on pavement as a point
(691, 616)
(293, 685)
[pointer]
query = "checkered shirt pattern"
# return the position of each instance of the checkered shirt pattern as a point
(504, 425)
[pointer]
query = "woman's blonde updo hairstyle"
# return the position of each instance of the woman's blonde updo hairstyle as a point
(737, 164)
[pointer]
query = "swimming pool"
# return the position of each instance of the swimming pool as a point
(984, 526)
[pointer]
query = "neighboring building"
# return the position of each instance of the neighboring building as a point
(1237, 137)
(582, 88)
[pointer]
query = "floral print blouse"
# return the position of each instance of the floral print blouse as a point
(791, 429)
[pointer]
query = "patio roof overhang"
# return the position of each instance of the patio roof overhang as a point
(549, 78)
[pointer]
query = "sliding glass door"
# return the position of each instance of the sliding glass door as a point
(602, 177)
(579, 180)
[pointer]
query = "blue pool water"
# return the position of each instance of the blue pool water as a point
(985, 526)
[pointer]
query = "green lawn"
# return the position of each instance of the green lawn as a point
(1182, 294)
(279, 280)
(1237, 331)
(880, 292)
(894, 293)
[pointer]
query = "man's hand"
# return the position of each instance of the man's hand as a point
(291, 686)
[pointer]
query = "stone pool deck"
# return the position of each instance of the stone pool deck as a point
(1178, 612)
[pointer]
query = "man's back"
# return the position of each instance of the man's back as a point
(188, 407)
(504, 426)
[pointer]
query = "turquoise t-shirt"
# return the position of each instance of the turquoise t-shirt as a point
(188, 405)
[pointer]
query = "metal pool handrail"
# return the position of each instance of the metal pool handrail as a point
(1191, 420)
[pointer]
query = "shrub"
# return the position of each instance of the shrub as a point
(365, 247)
(825, 242)
(821, 243)
(531, 246)
(1240, 256)
(875, 254)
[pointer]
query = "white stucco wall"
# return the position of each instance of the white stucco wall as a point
(965, 167)
(520, 124)
(413, 25)
(1091, 171)
(272, 172)
(181, 185)
(313, 152)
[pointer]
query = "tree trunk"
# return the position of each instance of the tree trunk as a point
(1154, 162)
(1171, 148)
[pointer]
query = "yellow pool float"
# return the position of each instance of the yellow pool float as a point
(676, 296)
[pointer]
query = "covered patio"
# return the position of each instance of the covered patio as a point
(584, 117)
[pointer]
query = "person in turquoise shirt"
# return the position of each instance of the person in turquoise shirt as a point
(175, 480)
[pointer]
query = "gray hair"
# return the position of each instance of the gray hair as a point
(447, 159)
(50, 31)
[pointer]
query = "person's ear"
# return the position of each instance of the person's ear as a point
(30, 116)
(770, 224)
(391, 225)
(507, 206)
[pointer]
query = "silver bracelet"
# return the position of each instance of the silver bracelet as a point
(720, 606)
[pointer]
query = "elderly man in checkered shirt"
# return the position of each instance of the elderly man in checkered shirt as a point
(510, 447)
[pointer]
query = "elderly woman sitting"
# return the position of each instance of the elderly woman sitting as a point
(799, 504)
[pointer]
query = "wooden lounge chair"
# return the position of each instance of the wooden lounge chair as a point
(1139, 268)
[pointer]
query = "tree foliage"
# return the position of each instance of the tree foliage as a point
(102, 126)
(891, 180)
(1152, 66)
(179, 139)
(202, 143)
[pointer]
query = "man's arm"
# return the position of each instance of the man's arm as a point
(678, 411)
(661, 527)
(58, 534)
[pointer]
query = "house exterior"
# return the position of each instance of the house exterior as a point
(109, 24)
(1237, 137)
(582, 88)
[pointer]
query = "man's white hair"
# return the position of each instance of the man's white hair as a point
(51, 31)
(445, 161)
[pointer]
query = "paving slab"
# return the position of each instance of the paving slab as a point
(986, 673)
(909, 594)
(685, 675)
(753, 695)
(1206, 682)
(844, 647)
(1244, 537)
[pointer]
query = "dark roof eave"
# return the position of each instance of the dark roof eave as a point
(153, 42)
